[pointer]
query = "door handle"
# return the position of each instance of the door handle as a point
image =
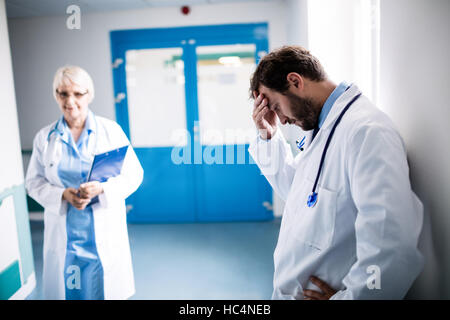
(117, 63)
(120, 96)
(267, 205)
(129, 207)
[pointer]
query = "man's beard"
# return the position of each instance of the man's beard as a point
(304, 110)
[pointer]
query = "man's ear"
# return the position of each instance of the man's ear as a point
(295, 80)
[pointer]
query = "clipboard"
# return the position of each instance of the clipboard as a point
(107, 165)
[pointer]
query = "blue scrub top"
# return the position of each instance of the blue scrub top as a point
(337, 92)
(83, 271)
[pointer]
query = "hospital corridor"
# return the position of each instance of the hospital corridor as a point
(194, 261)
(212, 150)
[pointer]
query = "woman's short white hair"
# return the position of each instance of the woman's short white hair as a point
(73, 74)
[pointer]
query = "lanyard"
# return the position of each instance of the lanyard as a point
(312, 198)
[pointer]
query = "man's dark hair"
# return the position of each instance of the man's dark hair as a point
(273, 68)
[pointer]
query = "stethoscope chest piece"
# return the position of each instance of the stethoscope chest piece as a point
(312, 199)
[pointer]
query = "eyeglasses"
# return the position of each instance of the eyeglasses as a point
(65, 95)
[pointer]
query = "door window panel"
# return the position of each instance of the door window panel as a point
(156, 97)
(225, 110)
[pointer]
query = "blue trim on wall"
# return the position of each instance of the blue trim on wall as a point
(23, 232)
(23, 228)
(10, 281)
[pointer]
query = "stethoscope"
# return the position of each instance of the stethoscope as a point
(56, 130)
(312, 198)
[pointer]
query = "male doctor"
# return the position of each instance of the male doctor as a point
(351, 222)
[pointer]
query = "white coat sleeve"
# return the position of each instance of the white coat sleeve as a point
(275, 160)
(38, 187)
(389, 217)
(122, 186)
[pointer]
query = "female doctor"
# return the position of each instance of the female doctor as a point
(86, 246)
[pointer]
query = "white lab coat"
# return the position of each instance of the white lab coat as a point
(44, 185)
(366, 219)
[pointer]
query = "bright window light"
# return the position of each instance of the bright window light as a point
(344, 36)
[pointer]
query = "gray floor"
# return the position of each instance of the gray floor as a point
(194, 261)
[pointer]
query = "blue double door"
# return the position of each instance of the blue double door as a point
(182, 98)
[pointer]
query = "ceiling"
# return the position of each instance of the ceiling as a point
(36, 8)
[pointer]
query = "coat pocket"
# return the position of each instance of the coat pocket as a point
(315, 225)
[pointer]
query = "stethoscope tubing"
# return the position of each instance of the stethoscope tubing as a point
(322, 159)
(54, 130)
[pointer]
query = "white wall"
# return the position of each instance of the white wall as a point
(415, 92)
(297, 34)
(40, 45)
(11, 170)
(342, 35)
(297, 22)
